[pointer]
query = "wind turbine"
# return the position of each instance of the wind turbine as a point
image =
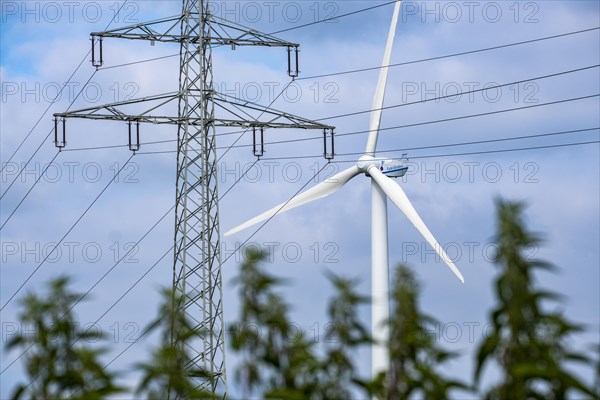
(381, 170)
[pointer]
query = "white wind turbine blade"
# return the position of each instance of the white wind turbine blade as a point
(397, 195)
(380, 91)
(321, 190)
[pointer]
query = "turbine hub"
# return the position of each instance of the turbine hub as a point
(393, 168)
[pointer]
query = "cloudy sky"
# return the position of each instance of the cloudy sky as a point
(453, 187)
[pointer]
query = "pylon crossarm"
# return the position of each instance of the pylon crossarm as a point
(123, 110)
(149, 119)
(161, 109)
(225, 32)
(243, 113)
(217, 32)
(160, 30)
(225, 123)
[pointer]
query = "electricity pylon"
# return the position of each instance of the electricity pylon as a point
(197, 256)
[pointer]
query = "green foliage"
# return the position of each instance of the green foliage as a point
(596, 349)
(414, 353)
(58, 362)
(166, 375)
(338, 374)
(277, 365)
(282, 363)
(527, 342)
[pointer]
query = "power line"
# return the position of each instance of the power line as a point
(43, 114)
(411, 62)
(305, 157)
(339, 73)
(431, 156)
(334, 18)
(115, 265)
(31, 158)
(449, 145)
(129, 290)
(102, 316)
(451, 96)
(136, 244)
(462, 93)
(116, 146)
(33, 155)
(397, 127)
(272, 33)
(466, 143)
(29, 191)
(462, 53)
(388, 107)
(44, 140)
(302, 188)
(140, 61)
(445, 119)
(26, 164)
(458, 54)
(480, 114)
(98, 282)
(66, 234)
(242, 132)
(58, 96)
(479, 141)
(153, 266)
(148, 329)
(247, 129)
(446, 145)
(552, 146)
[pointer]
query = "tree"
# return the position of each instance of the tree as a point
(277, 357)
(58, 362)
(527, 342)
(596, 349)
(346, 334)
(166, 376)
(279, 361)
(414, 354)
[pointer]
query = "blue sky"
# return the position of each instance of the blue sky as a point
(40, 49)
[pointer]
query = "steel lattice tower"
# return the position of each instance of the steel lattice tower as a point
(197, 257)
(197, 266)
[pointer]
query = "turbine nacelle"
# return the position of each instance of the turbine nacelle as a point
(390, 167)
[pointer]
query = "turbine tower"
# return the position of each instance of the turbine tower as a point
(380, 170)
(197, 110)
